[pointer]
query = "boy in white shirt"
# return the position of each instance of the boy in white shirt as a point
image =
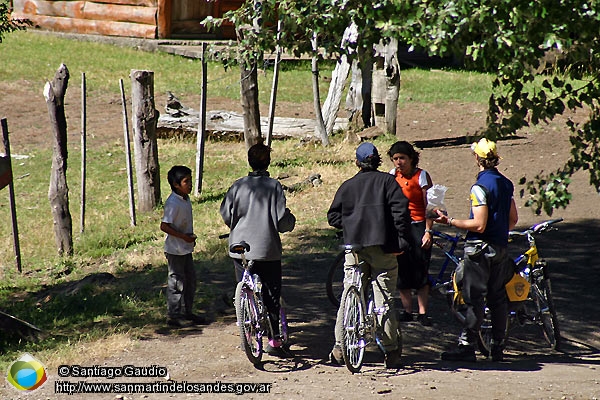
(178, 224)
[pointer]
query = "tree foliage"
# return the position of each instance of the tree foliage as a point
(515, 39)
(8, 24)
(543, 53)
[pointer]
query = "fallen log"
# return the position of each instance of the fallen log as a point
(230, 125)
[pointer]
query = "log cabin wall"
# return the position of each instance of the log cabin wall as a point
(148, 19)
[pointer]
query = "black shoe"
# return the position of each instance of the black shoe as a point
(335, 356)
(177, 322)
(405, 317)
(497, 353)
(462, 353)
(392, 360)
(281, 351)
(196, 319)
(424, 319)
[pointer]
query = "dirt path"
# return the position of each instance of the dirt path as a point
(531, 371)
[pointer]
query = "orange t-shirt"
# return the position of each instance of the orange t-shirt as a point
(413, 190)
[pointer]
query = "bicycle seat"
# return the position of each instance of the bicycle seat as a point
(239, 248)
(352, 247)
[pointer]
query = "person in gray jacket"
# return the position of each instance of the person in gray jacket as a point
(254, 209)
(372, 211)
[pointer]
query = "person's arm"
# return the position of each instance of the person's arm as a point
(225, 209)
(426, 241)
(334, 214)
(399, 208)
(513, 216)
(287, 220)
(169, 230)
(476, 224)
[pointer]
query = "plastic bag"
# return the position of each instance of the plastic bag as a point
(435, 201)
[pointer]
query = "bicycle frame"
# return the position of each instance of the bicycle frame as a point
(334, 284)
(436, 282)
(252, 316)
(368, 302)
(360, 322)
(529, 265)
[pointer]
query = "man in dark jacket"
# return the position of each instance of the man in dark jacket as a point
(372, 212)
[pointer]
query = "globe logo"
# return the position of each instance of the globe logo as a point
(27, 373)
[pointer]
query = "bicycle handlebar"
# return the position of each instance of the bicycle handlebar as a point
(536, 228)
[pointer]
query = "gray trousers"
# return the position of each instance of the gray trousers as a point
(383, 268)
(181, 285)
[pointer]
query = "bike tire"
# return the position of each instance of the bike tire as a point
(247, 319)
(548, 320)
(484, 339)
(353, 342)
(283, 325)
(400, 342)
(335, 279)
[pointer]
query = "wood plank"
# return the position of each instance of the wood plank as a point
(107, 28)
(163, 18)
(18, 5)
(136, 14)
(145, 3)
(91, 10)
(188, 27)
(187, 10)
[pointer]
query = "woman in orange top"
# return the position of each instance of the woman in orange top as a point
(413, 266)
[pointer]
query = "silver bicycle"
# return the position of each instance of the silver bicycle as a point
(361, 325)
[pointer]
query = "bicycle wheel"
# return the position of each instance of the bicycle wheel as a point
(547, 319)
(484, 340)
(353, 342)
(335, 279)
(247, 319)
(400, 341)
(283, 326)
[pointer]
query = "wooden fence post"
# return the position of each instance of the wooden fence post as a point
(319, 123)
(274, 86)
(201, 136)
(128, 155)
(11, 194)
(386, 85)
(145, 145)
(58, 194)
(83, 149)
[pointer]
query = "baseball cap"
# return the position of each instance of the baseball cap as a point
(365, 150)
(485, 148)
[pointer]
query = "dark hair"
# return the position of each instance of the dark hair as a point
(176, 174)
(403, 147)
(488, 163)
(370, 163)
(259, 157)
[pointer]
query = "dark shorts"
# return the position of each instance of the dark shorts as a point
(413, 266)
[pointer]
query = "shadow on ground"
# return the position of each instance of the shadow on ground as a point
(571, 252)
